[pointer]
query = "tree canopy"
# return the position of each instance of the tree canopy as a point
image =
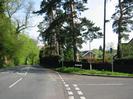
(15, 48)
(63, 27)
(123, 21)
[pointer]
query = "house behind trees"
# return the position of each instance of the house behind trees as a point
(127, 49)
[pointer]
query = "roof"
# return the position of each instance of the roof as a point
(84, 53)
(131, 41)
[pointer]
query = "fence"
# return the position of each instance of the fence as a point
(121, 65)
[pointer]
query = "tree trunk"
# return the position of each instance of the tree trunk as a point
(74, 35)
(119, 31)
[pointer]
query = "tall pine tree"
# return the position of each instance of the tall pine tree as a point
(123, 21)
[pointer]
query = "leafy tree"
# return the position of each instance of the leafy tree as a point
(7, 39)
(14, 49)
(2, 6)
(90, 31)
(72, 9)
(28, 52)
(123, 22)
(48, 27)
(68, 54)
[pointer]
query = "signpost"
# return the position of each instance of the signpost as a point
(90, 54)
(112, 61)
(62, 57)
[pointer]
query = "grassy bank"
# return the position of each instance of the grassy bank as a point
(92, 72)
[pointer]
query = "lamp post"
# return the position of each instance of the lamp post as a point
(104, 30)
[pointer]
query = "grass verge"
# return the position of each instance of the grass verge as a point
(92, 72)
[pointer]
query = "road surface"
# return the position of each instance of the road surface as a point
(39, 83)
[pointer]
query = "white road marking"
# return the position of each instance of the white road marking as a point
(77, 88)
(70, 93)
(25, 73)
(66, 85)
(19, 73)
(60, 76)
(82, 97)
(79, 92)
(75, 85)
(15, 83)
(103, 84)
(68, 88)
(70, 97)
(28, 68)
(22, 73)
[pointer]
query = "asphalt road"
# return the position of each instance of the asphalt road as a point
(40, 83)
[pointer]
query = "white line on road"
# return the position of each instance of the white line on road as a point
(28, 68)
(68, 88)
(66, 85)
(75, 85)
(25, 73)
(82, 97)
(71, 97)
(60, 76)
(15, 83)
(70, 93)
(79, 92)
(77, 88)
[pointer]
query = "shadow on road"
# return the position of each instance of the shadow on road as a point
(29, 68)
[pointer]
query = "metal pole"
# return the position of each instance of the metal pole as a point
(104, 31)
(112, 64)
(90, 54)
(62, 58)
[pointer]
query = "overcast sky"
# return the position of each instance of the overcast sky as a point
(95, 13)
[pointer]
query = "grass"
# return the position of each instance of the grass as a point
(92, 72)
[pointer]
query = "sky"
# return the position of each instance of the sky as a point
(94, 13)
